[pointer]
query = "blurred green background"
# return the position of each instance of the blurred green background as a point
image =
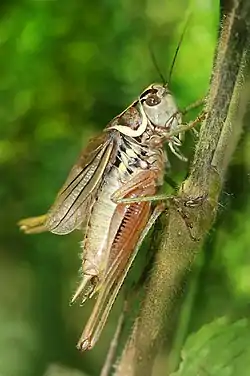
(66, 69)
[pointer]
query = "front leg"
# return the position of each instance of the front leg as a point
(186, 126)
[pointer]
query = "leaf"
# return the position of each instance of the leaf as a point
(220, 348)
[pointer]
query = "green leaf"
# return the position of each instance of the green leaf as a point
(220, 348)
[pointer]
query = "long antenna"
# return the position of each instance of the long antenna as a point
(177, 49)
(156, 65)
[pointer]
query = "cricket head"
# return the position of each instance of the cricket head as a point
(160, 107)
(155, 108)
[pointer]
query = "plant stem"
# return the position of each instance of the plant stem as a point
(176, 248)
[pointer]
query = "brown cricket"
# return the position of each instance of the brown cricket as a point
(125, 162)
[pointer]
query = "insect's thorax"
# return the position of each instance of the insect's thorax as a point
(134, 156)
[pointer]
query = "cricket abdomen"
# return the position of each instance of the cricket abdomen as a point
(94, 246)
(96, 237)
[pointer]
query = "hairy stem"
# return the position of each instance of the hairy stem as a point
(176, 248)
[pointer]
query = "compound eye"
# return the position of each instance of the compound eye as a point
(152, 100)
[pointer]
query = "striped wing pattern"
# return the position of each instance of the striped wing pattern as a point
(74, 201)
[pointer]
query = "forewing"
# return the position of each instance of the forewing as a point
(74, 201)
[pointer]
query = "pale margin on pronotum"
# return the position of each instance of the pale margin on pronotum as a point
(176, 250)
